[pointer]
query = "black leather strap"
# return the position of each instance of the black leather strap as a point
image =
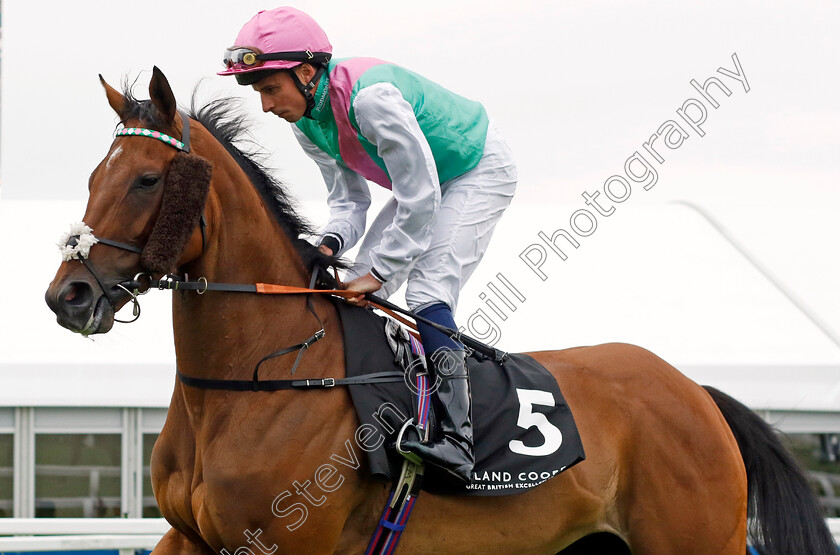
(201, 286)
(297, 56)
(280, 385)
(90, 268)
(117, 244)
(185, 133)
(202, 225)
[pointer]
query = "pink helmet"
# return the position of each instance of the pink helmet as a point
(281, 38)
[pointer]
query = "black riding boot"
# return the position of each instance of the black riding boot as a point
(453, 450)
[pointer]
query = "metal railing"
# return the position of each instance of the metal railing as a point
(68, 534)
(128, 534)
(828, 487)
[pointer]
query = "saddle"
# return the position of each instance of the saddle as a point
(524, 432)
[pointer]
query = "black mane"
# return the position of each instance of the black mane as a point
(224, 119)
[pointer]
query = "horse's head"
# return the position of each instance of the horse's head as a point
(145, 201)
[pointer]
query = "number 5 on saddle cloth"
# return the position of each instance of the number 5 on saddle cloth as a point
(524, 432)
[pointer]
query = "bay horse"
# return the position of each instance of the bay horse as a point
(671, 467)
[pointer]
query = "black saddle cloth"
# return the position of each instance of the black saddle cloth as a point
(524, 432)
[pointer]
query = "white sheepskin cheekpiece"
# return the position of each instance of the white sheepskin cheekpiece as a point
(82, 247)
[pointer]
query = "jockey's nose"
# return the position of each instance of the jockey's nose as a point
(267, 102)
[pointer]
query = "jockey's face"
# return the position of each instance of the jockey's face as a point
(281, 97)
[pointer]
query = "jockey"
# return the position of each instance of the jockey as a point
(452, 176)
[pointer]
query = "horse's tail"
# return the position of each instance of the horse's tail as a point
(784, 511)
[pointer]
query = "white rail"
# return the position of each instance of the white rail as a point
(44, 534)
(128, 542)
(834, 526)
(81, 526)
(67, 534)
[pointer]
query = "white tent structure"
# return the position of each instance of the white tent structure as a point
(663, 278)
(724, 264)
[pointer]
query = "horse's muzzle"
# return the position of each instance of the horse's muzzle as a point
(80, 307)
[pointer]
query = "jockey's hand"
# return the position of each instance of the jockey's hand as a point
(326, 250)
(364, 284)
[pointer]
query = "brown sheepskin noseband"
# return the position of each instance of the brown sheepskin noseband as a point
(185, 191)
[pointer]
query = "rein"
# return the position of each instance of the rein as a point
(201, 286)
(142, 283)
(406, 489)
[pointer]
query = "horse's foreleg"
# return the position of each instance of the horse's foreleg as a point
(176, 543)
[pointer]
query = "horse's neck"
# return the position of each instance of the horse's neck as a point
(199, 464)
(223, 335)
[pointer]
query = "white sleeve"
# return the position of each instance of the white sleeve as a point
(348, 196)
(387, 120)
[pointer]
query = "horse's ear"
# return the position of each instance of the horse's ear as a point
(115, 98)
(161, 94)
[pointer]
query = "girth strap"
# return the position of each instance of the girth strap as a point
(279, 385)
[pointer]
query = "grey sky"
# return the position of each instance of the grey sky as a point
(576, 88)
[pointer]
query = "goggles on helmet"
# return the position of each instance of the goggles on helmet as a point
(248, 57)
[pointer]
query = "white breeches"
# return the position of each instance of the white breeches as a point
(470, 207)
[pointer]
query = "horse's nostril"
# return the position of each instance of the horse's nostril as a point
(77, 294)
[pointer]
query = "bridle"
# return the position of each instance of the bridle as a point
(143, 282)
(134, 287)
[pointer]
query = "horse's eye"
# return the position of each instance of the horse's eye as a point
(146, 181)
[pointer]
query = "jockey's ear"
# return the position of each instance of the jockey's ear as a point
(161, 94)
(305, 72)
(115, 98)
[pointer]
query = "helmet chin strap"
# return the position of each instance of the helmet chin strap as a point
(306, 90)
